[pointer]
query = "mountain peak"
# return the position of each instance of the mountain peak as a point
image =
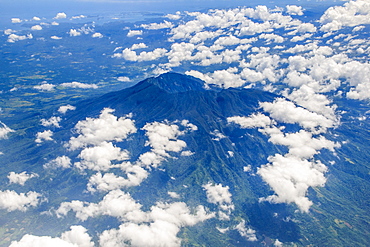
(175, 83)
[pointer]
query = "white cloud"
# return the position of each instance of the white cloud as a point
(131, 55)
(76, 84)
(253, 121)
(20, 178)
(64, 108)
(173, 17)
(290, 178)
(60, 162)
(163, 138)
(132, 33)
(61, 15)
(12, 38)
(45, 87)
(156, 26)
(4, 130)
(287, 112)
(16, 20)
(36, 27)
(351, 14)
(55, 37)
(74, 32)
(123, 79)
(174, 195)
(138, 46)
(110, 181)
(106, 127)
(44, 136)
(11, 200)
(217, 135)
(53, 121)
(248, 233)
(35, 18)
(294, 10)
(9, 31)
(54, 23)
(220, 195)
(76, 237)
(97, 35)
(100, 157)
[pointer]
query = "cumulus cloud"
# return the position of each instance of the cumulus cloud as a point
(351, 14)
(36, 27)
(220, 195)
(4, 131)
(97, 35)
(248, 233)
(16, 20)
(106, 127)
(132, 33)
(287, 112)
(100, 157)
(53, 121)
(12, 38)
(109, 181)
(74, 32)
(123, 79)
(294, 10)
(290, 177)
(76, 84)
(61, 15)
(44, 136)
(138, 46)
(45, 87)
(156, 26)
(76, 237)
(20, 178)
(64, 108)
(163, 138)
(11, 200)
(59, 162)
(131, 55)
(253, 121)
(55, 37)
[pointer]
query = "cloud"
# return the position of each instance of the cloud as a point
(16, 20)
(254, 121)
(106, 127)
(290, 177)
(131, 55)
(109, 181)
(351, 14)
(11, 200)
(294, 10)
(156, 26)
(61, 15)
(220, 195)
(45, 87)
(248, 233)
(12, 38)
(20, 178)
(60, 162)
(97, 35)
(132, 33)
(74, 32)
(4, 131)
(138, 46)
(123, 79)
(76, 84)
(100, 157)
(63, 109)
(55, 37)
(163, 138)
(173, 17)
(35, 18)
(53, 121)
(217, 135)
(36, 27)
(287, 112)
(76, 237)
(44, 136)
